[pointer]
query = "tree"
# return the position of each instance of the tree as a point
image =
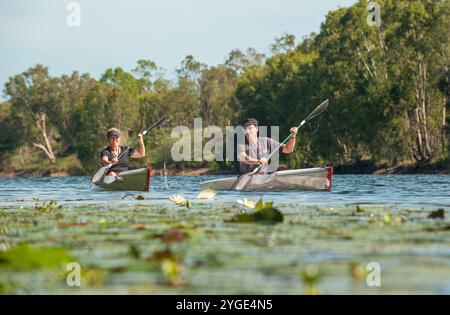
(283, 44)
(31, 94)
(11, 136)
(148, 74)
(217, 86)
(105, 106)
(237, 61)
(71, 91)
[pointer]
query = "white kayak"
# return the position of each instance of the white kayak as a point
(138, 180)
(302, 179)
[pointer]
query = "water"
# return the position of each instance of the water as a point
(220, 257)
(397, 191)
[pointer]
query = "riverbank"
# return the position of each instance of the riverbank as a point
(60, 172)
(372, 167)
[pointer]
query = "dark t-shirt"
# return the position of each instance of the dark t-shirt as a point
(122, 165)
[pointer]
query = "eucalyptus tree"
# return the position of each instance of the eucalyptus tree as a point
(31, 95)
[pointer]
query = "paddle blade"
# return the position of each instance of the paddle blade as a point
(98, 177)
(242, 182)
(319, 110)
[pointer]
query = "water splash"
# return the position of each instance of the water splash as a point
(165, 176)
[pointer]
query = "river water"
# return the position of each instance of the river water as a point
(396, 191)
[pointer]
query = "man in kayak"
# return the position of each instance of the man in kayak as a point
(256, 149)
(111, 153)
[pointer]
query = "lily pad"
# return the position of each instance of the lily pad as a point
(438, 214)
(175, 235)
(265, 213)
(48, 207)
(27, 257)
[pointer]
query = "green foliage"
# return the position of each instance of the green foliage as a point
(48, 207)
(386, 102)
(264, 213)
(283, 44)
(172, 271)
(11, 136)
(311, 276)
(27, 257)
(388, 88)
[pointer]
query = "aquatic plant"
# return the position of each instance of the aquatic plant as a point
(247, 203)
(48, 207)
(311, 276)
(172, 236)
(158, 249)
(28, 257)
(207, 194)
(387, 218)
(264, 213)
(357, 270)
(172, 271)
(93, 276)
(438, 214)
(181, 201)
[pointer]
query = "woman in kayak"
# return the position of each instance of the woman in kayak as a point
(256, 149)
(111, 153)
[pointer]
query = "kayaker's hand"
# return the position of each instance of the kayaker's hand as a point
(114, 160)
(263, 161)
(140, 137)
(294, 131)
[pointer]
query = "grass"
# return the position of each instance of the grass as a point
(36, 163)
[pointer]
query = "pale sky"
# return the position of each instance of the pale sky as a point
(117, 33)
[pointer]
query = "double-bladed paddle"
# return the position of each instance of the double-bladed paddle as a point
(244, 180)
(101, 173)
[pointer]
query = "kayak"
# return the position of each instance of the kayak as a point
(302, 179)
(138, 180)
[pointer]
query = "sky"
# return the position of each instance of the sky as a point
(117, 33)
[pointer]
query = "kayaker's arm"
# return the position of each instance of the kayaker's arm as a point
(105, 160)
(246, 159)
(289, 147)
(140, 152)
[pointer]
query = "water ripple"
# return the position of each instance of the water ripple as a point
(414, 191)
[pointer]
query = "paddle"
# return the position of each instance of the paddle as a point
(101, 173)
(244, 180)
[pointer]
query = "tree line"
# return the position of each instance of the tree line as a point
(388, 87)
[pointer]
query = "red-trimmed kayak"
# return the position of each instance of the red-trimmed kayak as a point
(138, 180)
(302, 179)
